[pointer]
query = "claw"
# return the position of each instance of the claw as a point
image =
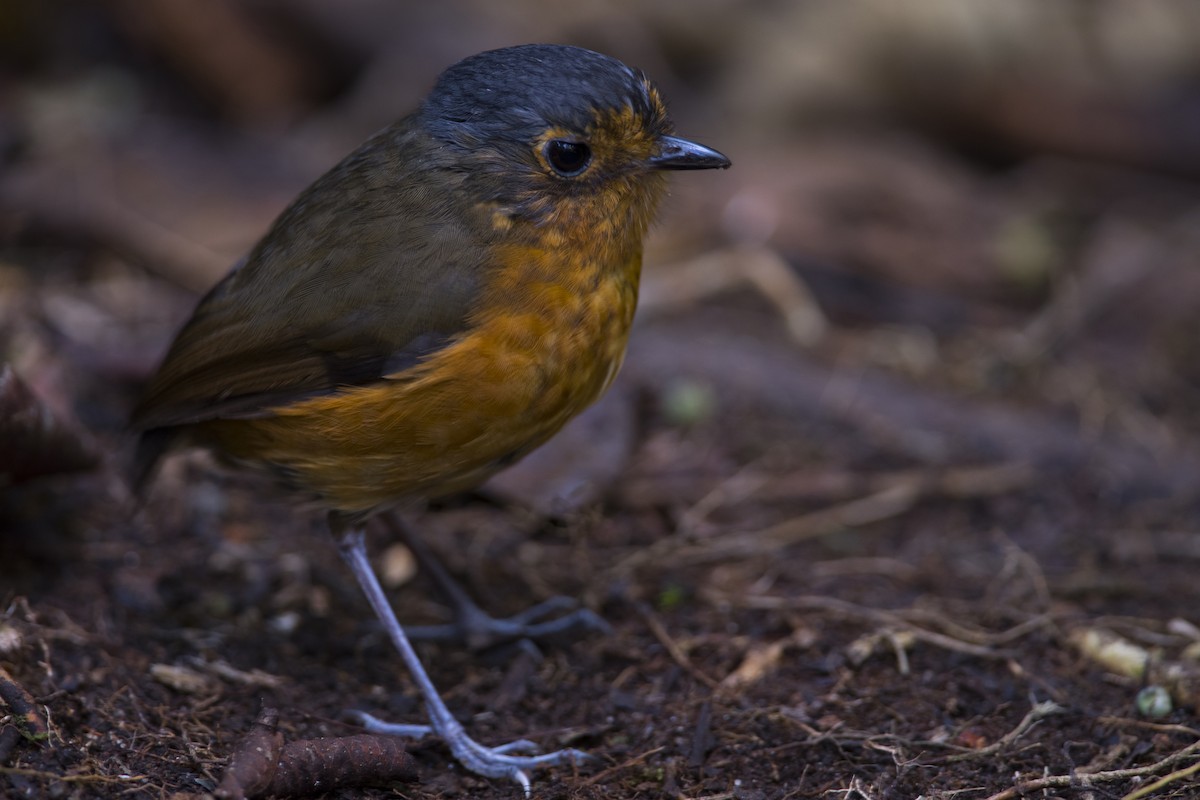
(490, 762)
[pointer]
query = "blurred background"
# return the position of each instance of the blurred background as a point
(931, 343)
(995, 196)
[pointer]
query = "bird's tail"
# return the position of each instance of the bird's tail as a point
(151, 446)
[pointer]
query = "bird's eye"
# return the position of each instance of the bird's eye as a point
(568, 158)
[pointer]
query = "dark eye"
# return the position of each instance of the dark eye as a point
(568, 158)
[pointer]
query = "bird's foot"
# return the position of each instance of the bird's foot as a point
(474, 626)
(481, 631)
(490, 762)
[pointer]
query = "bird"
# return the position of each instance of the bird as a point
(431, 309)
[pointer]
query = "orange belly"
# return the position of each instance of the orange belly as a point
(494, 394)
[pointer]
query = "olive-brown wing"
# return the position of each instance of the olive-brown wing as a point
(377, 264)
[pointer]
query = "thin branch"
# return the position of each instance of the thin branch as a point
(1084, 779)
(673, 648)
(1037, 713)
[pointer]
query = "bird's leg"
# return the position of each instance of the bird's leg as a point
(475, 626)
(491, 762)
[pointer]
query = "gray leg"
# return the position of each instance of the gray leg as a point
(491, 762)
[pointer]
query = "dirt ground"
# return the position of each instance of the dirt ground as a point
(896, 496)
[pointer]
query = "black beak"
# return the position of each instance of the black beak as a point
(679, 153)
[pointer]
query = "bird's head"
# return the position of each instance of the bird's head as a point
(559, 137)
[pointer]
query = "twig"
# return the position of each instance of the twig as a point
(1186, 772)
(1157, 727)
(847, 609)
(54, 776)
(1084, 779)
(672, 647)
(761, 268)
(681, 548)
(739, 487)
(604, 775)
(973, 635)
(1037, 713)
(890, 495)
(885, 504)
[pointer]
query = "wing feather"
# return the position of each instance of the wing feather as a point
(368, 271)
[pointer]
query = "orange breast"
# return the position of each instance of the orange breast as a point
(548, 340)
